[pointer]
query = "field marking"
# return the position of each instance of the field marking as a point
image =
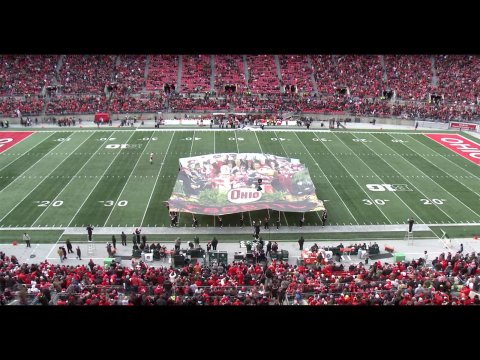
(395, 193)
(59, 143)
(73, 177)
(326, 178)
(284, 216)
(386, 217)
(129, 177)
(156, 180)
(41, 182)
(55, 245)
(238, 152)
(281, 144)
(454, 163)
(428, 177)
(100, 178)
(20, 155)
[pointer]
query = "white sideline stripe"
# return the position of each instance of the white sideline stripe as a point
(129, 177)
(21, 154)
(41, 182)
(100, 178)
(59, 143)
(333, 187)
(209, 230)
(395, 193)
(454, 163)
(428, 177)
(156, 180)
(73, 177)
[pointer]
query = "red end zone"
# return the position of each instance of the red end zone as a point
(457, 143)
(8, 139)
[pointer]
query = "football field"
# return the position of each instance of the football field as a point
(104, 177)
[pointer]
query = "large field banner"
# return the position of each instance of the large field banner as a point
(229, 183)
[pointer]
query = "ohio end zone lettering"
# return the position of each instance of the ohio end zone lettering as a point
(462, 146)
(10, 138)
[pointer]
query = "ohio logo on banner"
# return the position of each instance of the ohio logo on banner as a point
(457, 143)
(10, 138)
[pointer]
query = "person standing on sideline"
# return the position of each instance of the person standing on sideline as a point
(461, 249)
(26, 238)
(324, 217)
(124, 239)
(69, 246)
(277, 223)
(302, 220)
(300, 242)
(79, 253)
(194, 221)
(114, 242)
(178, 242)
(265, 225)
(90, 232)
(425, 256)
(241, 221)
(410, 224)
(214, 243)
(60, 253)
(151, 158)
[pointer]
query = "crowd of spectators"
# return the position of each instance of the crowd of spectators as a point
(129, 74)
(353, 84)
(162, 70)
(447, 280)
(295, 72)
(63, 105)
(229, 70)
(26, 74)
(458, 78)
(409, 76)
(362, 74)
(262, 72)
(31, 105)
(196, 73)
(87, 74)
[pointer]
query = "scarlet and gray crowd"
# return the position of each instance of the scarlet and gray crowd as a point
(451, 279)
(349, 84)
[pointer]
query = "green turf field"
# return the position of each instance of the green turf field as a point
(71, 179)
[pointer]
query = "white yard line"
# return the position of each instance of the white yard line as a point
(24, 152)
(54, 246)
(445, 158)
(156, 180)
(43, 157)
(128, 179)
(238, 151)
(428, 177)
(381, 180)
(316, 212)
(353, 178)
(326, 178)
(73, 177)
(283, 212)
(99, 179)
(41, 182)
